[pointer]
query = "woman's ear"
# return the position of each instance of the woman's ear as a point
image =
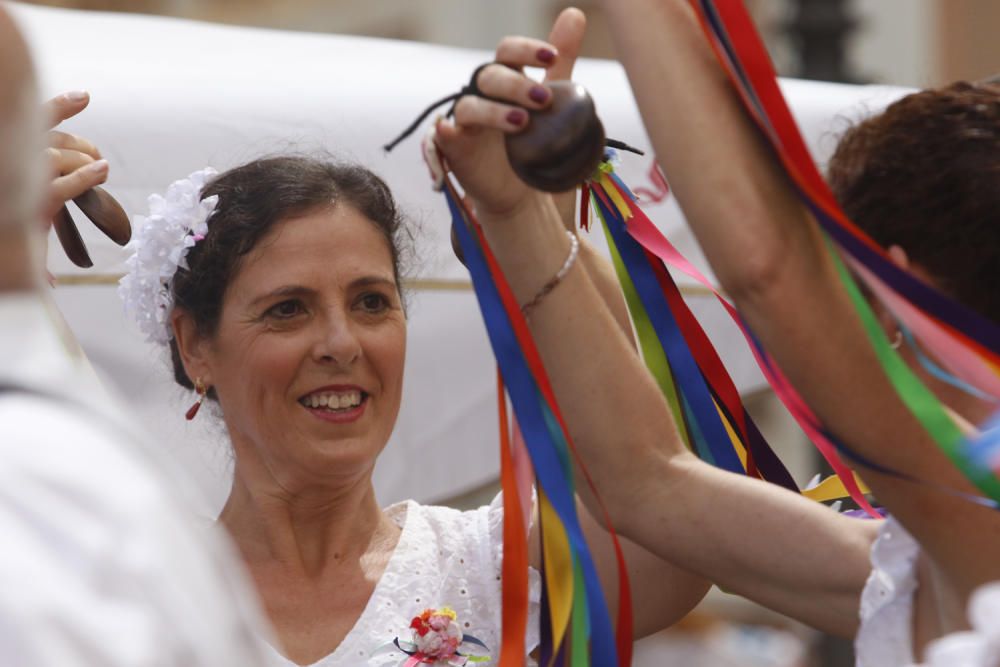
(192, 346)
(899, 257)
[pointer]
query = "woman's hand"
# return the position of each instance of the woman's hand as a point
(473, 144)
(75, 164)
(567, 36)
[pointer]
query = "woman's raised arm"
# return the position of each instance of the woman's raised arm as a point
(768, 254)
(750, 537)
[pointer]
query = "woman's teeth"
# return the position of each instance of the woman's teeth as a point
(333, 400)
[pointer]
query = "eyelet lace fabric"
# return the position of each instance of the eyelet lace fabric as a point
(444, 558)
(885, 638)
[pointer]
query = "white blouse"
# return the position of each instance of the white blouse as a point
(444, 558)
(885, 638)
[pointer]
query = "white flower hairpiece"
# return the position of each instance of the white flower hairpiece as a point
(160, 243)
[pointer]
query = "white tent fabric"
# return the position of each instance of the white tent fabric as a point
(172, 96)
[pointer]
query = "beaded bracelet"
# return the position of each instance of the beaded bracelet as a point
(574, 250)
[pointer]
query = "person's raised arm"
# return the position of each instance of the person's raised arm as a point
(750, 537)
(768, 255)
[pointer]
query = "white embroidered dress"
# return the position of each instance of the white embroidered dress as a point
(444, 558)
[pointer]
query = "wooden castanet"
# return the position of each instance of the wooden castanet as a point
(107, 215)
(70, 239)
(562, 145)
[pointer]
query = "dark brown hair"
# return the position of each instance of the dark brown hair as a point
(252, 199)
(925, 175)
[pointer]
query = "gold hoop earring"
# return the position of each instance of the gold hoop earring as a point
(897, 340)
(199, 388)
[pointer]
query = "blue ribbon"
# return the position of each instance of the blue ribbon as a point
(986, 446)
(767, 462)
(706, 428)
(940, 373)
(535, 418)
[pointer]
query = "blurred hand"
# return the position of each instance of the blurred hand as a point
(75, 164)
(473, 144)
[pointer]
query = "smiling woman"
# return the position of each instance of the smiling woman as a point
(276, 287)
(285, 308)
(290, 311)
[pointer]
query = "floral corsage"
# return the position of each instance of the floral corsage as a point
(437, 638)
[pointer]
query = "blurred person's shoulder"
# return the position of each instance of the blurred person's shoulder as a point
(58, 426)
(102, 556)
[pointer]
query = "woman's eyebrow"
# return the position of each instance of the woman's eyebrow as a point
(365, 281)
(286, 290)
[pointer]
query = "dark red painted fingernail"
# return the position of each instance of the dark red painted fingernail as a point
(545, 55)
(517, 117)
(539, 94)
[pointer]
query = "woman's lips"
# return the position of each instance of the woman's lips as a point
(340, 415)
(339, 403)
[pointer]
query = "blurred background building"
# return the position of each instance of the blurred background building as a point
(904, 42)
(915, 43)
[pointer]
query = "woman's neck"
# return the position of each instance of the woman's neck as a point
(308, 531)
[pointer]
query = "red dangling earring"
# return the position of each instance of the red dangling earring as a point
(199, 388)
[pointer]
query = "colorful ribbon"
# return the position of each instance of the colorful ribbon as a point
(702, 395)
(576, 627)
(966, 342)
(706, 404)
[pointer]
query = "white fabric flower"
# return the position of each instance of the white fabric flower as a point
(160, 243)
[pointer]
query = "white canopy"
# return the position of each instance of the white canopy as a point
(171, 96)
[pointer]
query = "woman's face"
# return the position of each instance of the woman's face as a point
(308, 358)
